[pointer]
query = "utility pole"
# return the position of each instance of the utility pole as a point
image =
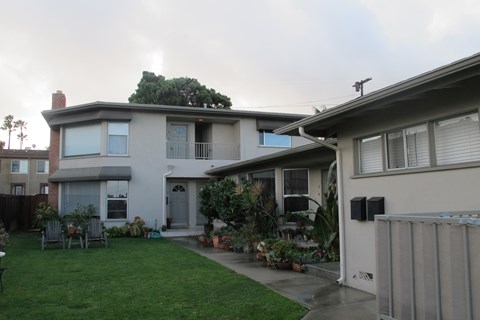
(359, 85)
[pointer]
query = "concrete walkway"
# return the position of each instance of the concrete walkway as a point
(324, 298)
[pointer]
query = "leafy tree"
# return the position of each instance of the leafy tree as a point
(8, 125)
(23, 126)
(153, 89)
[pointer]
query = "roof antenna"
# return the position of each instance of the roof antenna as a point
(359, 85)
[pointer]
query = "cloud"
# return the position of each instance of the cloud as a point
(291, 54)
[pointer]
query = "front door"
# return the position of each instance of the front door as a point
(179, 204)
(177, 141)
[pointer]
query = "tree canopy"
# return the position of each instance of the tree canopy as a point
(153, 89)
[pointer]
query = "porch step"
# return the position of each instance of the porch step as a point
(328, 270)
(180, 232)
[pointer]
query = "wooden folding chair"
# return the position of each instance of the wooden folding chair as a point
(53, 233)
(95, 232)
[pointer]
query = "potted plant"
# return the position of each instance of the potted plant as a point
(76, 221)
(281, 250)
(297, 259)
(169, 222)
(217, 238)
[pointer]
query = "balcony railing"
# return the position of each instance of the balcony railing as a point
(202, 151)
(428, 266)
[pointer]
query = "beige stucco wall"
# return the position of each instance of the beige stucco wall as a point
(31, 181)
(148, 161)
(434, 190)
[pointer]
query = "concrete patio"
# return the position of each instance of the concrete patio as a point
(323, 297)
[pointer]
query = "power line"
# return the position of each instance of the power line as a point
(304, 103)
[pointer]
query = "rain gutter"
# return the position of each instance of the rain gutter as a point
(341, 221)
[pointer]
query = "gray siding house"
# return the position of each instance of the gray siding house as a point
(410, 148)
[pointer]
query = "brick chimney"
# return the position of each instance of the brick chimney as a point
(58, 101)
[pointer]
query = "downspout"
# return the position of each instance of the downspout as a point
(341, 222)
(165, 194)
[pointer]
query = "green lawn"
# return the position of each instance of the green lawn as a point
(132, 279)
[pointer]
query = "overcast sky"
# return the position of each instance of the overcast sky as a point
(272, 55)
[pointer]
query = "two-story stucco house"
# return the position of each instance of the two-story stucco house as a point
(24, 172)
(410, 148)
(150, 160)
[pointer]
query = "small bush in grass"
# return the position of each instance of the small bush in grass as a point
(4, 238)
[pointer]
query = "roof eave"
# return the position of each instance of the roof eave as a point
(393, 90)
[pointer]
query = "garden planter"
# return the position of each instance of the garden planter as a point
(217, 242)
(226, 243)
(297, 267)
(284, 265)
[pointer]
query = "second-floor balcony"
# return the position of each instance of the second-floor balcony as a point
(202, 151)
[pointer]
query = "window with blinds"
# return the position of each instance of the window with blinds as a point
(371, 154)
(408, 148)
(457, 140)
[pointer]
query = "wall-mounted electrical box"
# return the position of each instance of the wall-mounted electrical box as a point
(376, 205)
(358, 208)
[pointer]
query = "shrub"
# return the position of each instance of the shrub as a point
(44, 213)
(116, 232)
(4, 237)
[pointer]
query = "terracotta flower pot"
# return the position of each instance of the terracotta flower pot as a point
(297, 267)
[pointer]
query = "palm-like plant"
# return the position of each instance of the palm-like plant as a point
(325, 224)
(9, 126)
(23, 126)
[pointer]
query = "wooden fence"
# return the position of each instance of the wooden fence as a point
(16, 212)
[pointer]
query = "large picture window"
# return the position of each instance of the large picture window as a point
(19, 166)
(295, 182)
(117, 138)
(117, 199)
(270, 139)
(457, 140)
(82, 140)
(83, 193)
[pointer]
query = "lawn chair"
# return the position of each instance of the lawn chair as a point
(95, 232)
(53, 233)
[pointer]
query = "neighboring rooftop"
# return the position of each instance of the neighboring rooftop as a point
(24, 154)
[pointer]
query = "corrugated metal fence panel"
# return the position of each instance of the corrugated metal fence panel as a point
(427, 270)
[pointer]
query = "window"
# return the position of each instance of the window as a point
(457, 140)
(295, 182)
(268, 180)
(83, 140)
(17, 189)
(43, 188)
(371, 154)
(408, 148)
(270, 139)
(117, 138)
(84, 193)
(117, 199)
(19, 166)
(42, 166)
